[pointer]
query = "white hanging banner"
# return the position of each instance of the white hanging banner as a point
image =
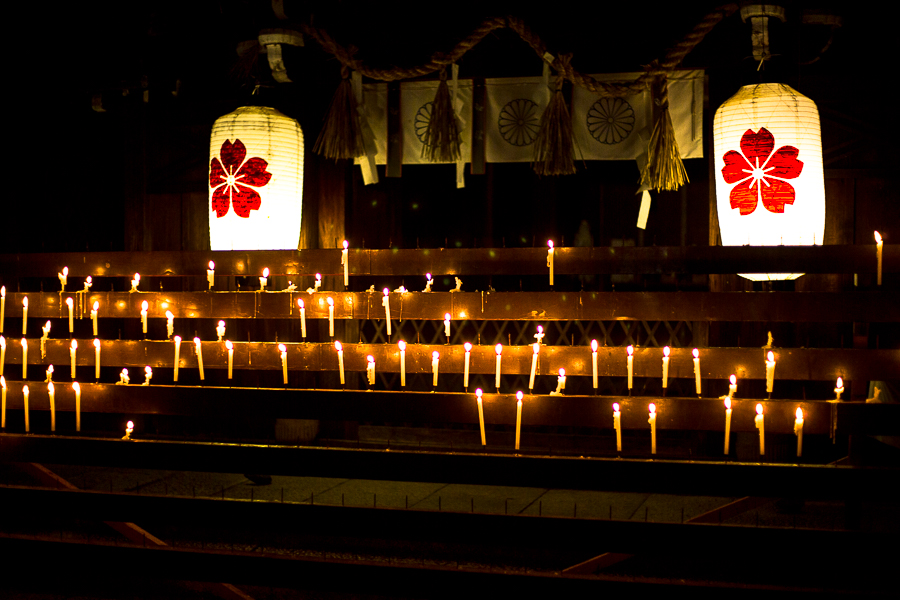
(514, 109)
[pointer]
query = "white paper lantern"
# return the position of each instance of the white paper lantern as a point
(255, 180)
(770, 188)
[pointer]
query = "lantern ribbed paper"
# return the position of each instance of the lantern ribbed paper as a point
(769, 182)
(256, 180)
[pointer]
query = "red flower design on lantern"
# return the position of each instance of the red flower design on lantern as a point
(758, 166)
(232, 175)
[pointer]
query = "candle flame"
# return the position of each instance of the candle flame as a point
(799, 413)
(148, 370)
(346, 244)
(25, 390)
(666, 351)
(435, 355)
(877, 238)
(540, 328)
(536, 347)
(46, 327)
(3, 382)
(733, 380)
(24, 343)
(840, 382)
(2, 342)
(478, 393)
(318, 277)
(615, 407)
(371, 360)
(96, 343)
(129, 425)
(728, 403)
(25, 301)
(96, 305)
(3, 291)
(402, 345)
(652, 408)
(137, 277)
(630, 350)
(428, 276)
(76, 387)
(550, 244)
(338, 346)
(197, 341)
(266, 272)
(562, 372)
(330, 301)
(386, 291)
(300, 303)
(51, 388)
(519, 395)
(759, 409)
(229, 345)
(212, 266)
(221, 323)
(771, 356)
(467, 346)
(89, 280)
(498, 348)
(446, 316)
(594, 345)
(65, 271)
(282, 348)
(74, 344)
(144, 306)
(177, 339)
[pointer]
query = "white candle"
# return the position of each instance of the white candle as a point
(96, 358)
(727, 424)
(428, 282)
(386, 302)
(63, 278)
(630, 350)
(879, 248)
(87, 284)
(652, 422)
(838, 389)
(230, 347)
(534, 358)
(144, 308)
(478, 394)
(177, 340)
(760, 421)
(2, 354)
(283, 349)
(519, 396)
(550, 259)
(770, 371)
(77, 389)
(330, 301)
(340, 353)
(71, 304)
(24, 315)
(51, 392)
(468, 348)
(302, 306)
(370, 369)
(211, 274)
(560, 382)
(135, 282)
(170, 324)
(199, 357)
(25, 396)
(72, 350)
(402, 345)
(594, 348)
(318, 283)
(435, 359)
(124, 379)
(148, 375)
(617, 425)
(129, 428)
(44, 337)
(94, 316)
(2, 306)
(539, 336)
(49, 374)
(447, 326)
(264, 279)
(499, 350)
(665, 382)
(3, 408)
(220, 331)
(798, 431)
(697, 370)
(24, 358)
(732, 386)
(345, 260)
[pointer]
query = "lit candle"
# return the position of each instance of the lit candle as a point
(732, 386)
(665, 367)
(77, 389)
(49, 374)
(44, 337)
(594, 348)
(652, 422)
(63, 278)
(468, 348)
(340, 353)
(199, 356)
(24, 315)
(330, 301)
(170, 324)
(798, 430)
(696, 354)
(51, 391)
(2, 354)
(550, 259)
(345, 260)
(87, 284)
(499, 349)
(536, 347)
(386, 302)
(402, 345)
(97, 358)
(770, 371)
(230, 348)
(71, 304)
(94, 316)
(539, 336)
(447, 326)
(24, 358)
(72, 350)
(264, 279)
(630, 350)
(211, 274)
(478, 394)
(148, 375)
(727, 424)
(370, 369)
(177, 340)
(135, 282)
(519, 396)
(283, 349)
(761, 425)
(838, 389)
(3, 408)
(318, 282)
(124, 379)
(2, 306)
(129, 428)
(428, 282)
(25, 397)
(435, 359)
(302, 306)
(879, 248)
(617, 425)
(144, 308)
(560, 383)
(220, 330)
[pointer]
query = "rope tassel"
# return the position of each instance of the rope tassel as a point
(554, 149)
(664, 170)
(441, 143)
(341, 136)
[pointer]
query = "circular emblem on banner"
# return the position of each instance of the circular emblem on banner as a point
(610, 120)
(519, 122)
(423, 118)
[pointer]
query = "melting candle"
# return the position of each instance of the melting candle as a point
(370, 369)
(94, 310)
(696, 354)
(72, 350)
(44, 336)
(770, 371)
(435, 360)
(499, 349)
(539, 336)
(732, 386)
(798, 430)
(386, 302)
(879, 245)
(144, 308)
(284, 370)
(340, 353)
(318, 282)
(428, 282)
(468, 348)
(63, 278)
(727, 424)
(129, 429)
(630, 351)
(839, 388)
(264, 279)
(51, 392)
(124, 379)
(135, 282)
(478, 394)
(302, 306)
(665, 382)
(199, 357)
(170, 324)
(345, 260)
(617, 425)
(550, 259)
(447, 326)
(211, 274)
(77, 389)
(220, 330)
(148, 375)
(594, 348)
(330, 301)
(87, 284)
(402, 345)
(97, 358)
(71, 304)
(177, 340)
(534, 359)
(230, 347)
(652, 422)
(519, 396)
(760, 421)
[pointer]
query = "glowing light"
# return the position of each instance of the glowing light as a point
(594, 345)
(562, 372)
(733, 380)
(536, 347)
(630, 350)
(652, 408)
(615, 407)
(229, 345)
(666, 351)
(878, 239)
(402, 345)
(467, 346)
(338, 346)
(499, 349)
(728, 403)
(759, 409)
